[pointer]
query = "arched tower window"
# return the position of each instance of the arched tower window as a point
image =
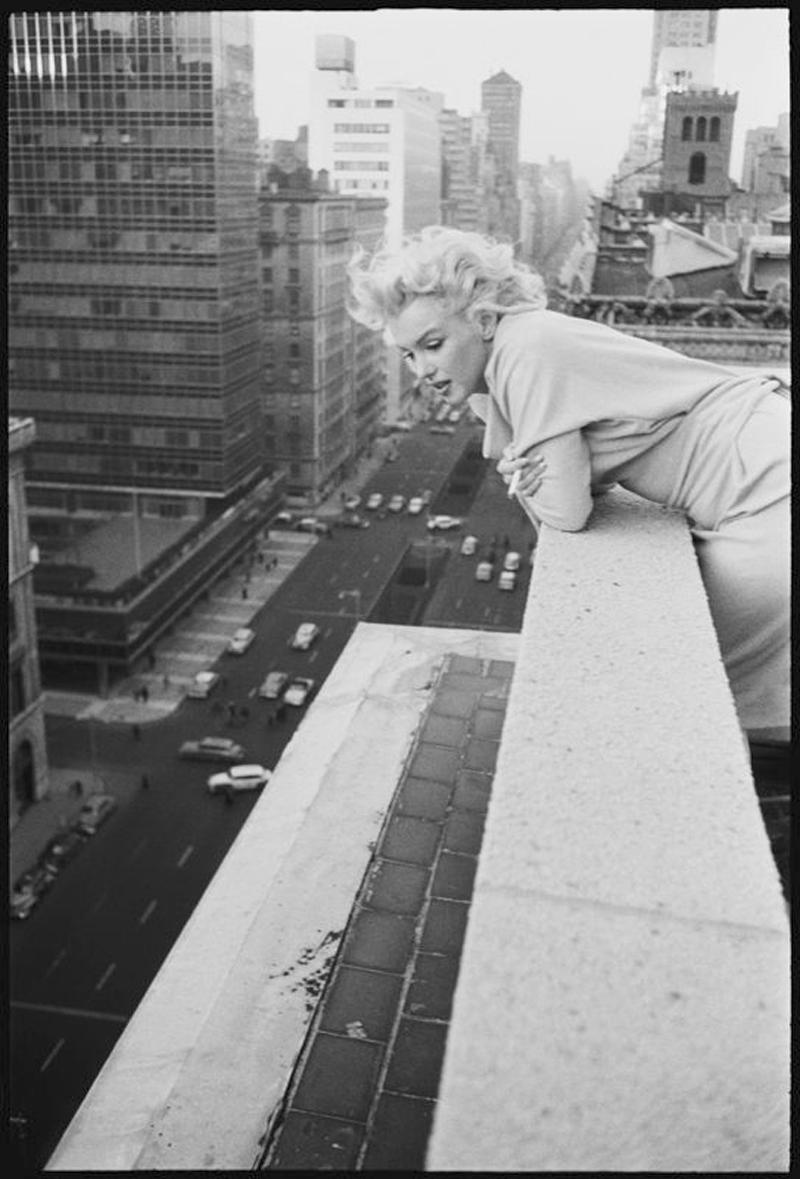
(713, 129)
(697, 168)
(700, 133)
(686, 132)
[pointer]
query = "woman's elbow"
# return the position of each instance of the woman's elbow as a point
(566, 520)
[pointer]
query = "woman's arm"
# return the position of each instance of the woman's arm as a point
(563, 497)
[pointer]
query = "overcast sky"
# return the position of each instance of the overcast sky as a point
(581, 70)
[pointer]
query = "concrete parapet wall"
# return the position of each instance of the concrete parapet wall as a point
(622, 1002)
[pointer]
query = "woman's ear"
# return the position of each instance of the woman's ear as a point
(486, 323)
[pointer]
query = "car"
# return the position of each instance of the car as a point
(299, 691)
(28, 890)
(374, 501)
(61, 850)
(397, 503)
(203, 685)
(469, 546)
(444, 523)
(427, 496)
(212, 749)
(441, 429)
(352, 502)
(415, 505)
(273, 685)
(511, 561)
(239, 778)
(312, 524)
(306, 634)
(484, 571)
(283, 520)
(241, 640)
(507, 580)
(353, 520)
(94, 812)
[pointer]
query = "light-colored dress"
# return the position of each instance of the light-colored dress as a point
(603, 407)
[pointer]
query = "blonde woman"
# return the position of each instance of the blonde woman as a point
(571, 406)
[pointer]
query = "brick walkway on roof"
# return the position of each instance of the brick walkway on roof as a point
(365, 1089)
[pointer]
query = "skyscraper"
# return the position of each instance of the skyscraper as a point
(501, 100)
(134, 337)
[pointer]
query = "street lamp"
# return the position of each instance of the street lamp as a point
(353, 593)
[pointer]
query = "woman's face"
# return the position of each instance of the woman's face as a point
(445, 350)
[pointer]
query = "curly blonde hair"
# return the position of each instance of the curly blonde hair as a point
(471, 273)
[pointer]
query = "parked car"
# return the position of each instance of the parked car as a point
(283, 520)
(299, 691)
(312, 524)
(203, 685)
(94, 812)
(212, 749)
(306, 634)
(469, 546)
(437, 429)
(239, 778)
(507, 580)
(241, 640)
(397, 503)
(352, 502)
(511, 561)
(443, 523)
(374, 501)
(427, 496)
(273, 685)
(28, 890)
(61, 850)
(415, 505)
(484, 571)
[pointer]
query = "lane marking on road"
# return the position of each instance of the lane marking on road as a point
(365, 573)
(252, 692)
(185, 856)
(313, 656)
(137, 851)
(328, 632)
(148, 912)
(487, 611)
(76, 1011)
(376, 558)
(458, 603)
(59, 958)
(48, 1060)
(112, 966)
(99, 903)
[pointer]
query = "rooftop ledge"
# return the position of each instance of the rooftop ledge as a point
(623, 999)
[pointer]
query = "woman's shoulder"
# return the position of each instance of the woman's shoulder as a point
(535, 331)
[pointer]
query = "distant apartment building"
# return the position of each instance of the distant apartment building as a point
(381, 141)
(552, 211)
(134, 332)
(27, 755)
(323, 376)
(286, 154)
(466, 173)
(501, 102)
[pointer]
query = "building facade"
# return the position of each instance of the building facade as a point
(697, 148)
(466, 178)
(133, 296)
(27, 754)
(501, 101)
(323, 377)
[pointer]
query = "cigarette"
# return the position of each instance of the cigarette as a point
(514, 484)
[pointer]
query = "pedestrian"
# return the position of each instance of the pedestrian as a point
(280, 712)
(244, 591)
(145, 694)
(136, 732)
(145, 782)
(77, 788)
(572, 406)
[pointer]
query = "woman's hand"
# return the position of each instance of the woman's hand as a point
(523, 474)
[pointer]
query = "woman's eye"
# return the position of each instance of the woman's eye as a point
(432, 345)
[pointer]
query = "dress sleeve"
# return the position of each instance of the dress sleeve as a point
(564, 498)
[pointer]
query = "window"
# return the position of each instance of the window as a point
(294, 274)
(686, 132)
(336, 102)
(384, 102)
(713, 130)
(700, 133)
(697, 168)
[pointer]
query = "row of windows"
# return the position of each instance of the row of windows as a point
(356, 146)
(361, 165)
(361, 128)
(350, 185)
(361, 103)
(697, 128)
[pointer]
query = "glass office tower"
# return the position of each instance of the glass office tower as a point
(134, 305)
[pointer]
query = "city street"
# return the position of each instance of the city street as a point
(82, 961)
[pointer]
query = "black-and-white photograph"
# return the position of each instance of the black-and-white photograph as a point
(399, 590)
